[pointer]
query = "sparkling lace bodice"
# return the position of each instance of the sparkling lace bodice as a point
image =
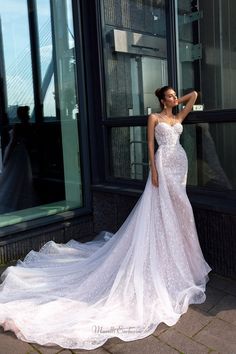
(166, 134)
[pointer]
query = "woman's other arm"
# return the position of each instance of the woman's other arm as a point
(152, 121)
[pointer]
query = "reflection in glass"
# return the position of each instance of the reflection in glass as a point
(46, 59)
(210, 154)
(16, 46)
(129, 153)
(16, 182)
(135, 57)
(46, 149)
(67, 98)
(211, 159)
(207, 51)
(44, 35)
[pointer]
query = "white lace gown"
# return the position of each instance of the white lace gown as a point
(123, 285)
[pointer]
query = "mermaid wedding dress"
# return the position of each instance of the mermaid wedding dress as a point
(123, 285)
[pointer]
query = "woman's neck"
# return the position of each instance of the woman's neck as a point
(167, 112)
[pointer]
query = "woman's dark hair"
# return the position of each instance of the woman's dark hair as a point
(160, 93)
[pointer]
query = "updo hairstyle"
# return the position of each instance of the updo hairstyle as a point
(160, 93)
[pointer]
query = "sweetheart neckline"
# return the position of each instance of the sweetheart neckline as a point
(169, 124)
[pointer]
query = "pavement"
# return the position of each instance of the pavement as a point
(206, 328)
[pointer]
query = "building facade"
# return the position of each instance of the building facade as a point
(83, 75)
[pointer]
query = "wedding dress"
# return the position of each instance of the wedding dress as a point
(16, 180)
(77, 295)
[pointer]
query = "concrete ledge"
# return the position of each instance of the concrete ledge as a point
(15, 246)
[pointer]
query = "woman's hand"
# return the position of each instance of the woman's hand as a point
(154, 174)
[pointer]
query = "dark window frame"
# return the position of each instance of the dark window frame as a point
(83, 110)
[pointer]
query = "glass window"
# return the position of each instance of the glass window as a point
(135, 57)
(46, 59)
(129, 152)
(210, 155)
(206, 60)
(208, 147)
(41, 172)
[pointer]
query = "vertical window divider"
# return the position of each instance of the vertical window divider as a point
(172, 43)
(35, 59)
(83, 123)
(3, 93)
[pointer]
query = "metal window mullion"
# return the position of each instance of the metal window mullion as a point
(3, 96)
(81, 92)
(172, 42)
(35, 59)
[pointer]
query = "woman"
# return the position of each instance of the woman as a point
(122, 285)
(168, 100)
(16, 180)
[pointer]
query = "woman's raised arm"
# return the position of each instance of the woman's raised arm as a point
(189, 101)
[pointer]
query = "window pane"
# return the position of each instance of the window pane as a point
(207, 51)
(135, 57)
(210, 155)
(41, 172)
(16, 44)
(129, 153)
(211, 158)
(46, 59)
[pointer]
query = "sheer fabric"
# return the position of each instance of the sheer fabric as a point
(123, 285)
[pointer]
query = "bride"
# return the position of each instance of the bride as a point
(78, 295)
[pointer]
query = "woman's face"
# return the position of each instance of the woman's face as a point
(170, 98)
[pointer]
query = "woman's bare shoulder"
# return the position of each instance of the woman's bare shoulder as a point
(153, 117)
